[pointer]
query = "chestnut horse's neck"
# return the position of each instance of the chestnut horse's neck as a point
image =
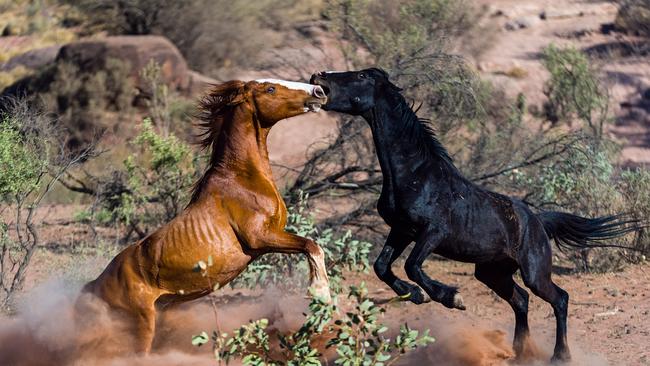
(240, 150)
(241, 145)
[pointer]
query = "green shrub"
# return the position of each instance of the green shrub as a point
(20, 162)
(635, 188)
(31, 162)
(573, 89)
(358, 336)
(153, 186)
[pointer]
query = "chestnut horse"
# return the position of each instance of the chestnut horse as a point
(235, 214)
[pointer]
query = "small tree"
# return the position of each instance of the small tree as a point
(573, 90)
(32, 160)
(151, 189)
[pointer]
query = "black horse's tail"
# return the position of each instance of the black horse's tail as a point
(573, 231)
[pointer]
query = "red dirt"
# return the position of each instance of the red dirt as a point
(609, 323)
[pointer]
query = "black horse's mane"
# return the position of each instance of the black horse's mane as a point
(420, 132)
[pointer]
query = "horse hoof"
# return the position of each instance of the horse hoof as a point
(458, 302)
(415, 296)
(561, 358)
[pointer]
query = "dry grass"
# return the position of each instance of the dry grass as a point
(516, 72)
(9, 77)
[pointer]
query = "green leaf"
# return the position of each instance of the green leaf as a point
(201, 339)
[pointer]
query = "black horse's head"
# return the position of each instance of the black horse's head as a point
(353, 92)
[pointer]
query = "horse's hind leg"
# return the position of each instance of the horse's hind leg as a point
(145, 328)
(498, 277)
(394, 247)
(535, 265)
(439, 292)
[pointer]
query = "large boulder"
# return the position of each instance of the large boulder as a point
(91, 56)
(33, 59)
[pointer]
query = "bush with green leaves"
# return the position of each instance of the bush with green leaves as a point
(342, 252)
(634, 186)
(154, 185)
(357, 335)
(573, 90)
(32, 161)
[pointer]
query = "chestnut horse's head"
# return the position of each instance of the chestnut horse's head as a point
(279, 99)
(267, 100)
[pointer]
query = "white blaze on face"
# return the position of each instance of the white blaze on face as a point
(290, 84)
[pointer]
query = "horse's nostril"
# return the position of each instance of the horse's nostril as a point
(319, 92)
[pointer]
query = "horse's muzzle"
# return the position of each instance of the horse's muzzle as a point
(318, 92)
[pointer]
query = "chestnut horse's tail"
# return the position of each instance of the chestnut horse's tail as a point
(573, 231)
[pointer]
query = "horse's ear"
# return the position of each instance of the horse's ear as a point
(385, 75)
(381, 71)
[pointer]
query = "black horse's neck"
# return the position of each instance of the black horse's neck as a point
(403, 141)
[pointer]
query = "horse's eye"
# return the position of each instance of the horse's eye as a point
(362, 75)
(270, 90)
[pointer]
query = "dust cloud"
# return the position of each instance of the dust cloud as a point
(56, 326)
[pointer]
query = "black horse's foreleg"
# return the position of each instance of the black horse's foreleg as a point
(394, 247)
(439, 292)
(498, 277)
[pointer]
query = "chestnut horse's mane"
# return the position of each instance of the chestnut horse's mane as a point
(213, 109)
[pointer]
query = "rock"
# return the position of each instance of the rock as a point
(33, 59)
(584, 9)
(646, 95)
(522, 23)
(91, 56)
(560, 14)
(199, 83)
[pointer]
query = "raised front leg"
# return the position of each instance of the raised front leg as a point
(284, 242)
(439, 292)
(394, 247)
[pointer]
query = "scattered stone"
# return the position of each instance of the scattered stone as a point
(521, 23)
(7, 31)
(645, 95)
(607, 28)
(608, 313)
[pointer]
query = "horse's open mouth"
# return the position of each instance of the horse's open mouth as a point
(313, 106)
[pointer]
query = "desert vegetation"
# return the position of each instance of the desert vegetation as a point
(118, 143)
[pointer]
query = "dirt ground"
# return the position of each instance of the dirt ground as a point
(609, 314)
(609, 318)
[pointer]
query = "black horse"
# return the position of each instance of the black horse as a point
(425, 199)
